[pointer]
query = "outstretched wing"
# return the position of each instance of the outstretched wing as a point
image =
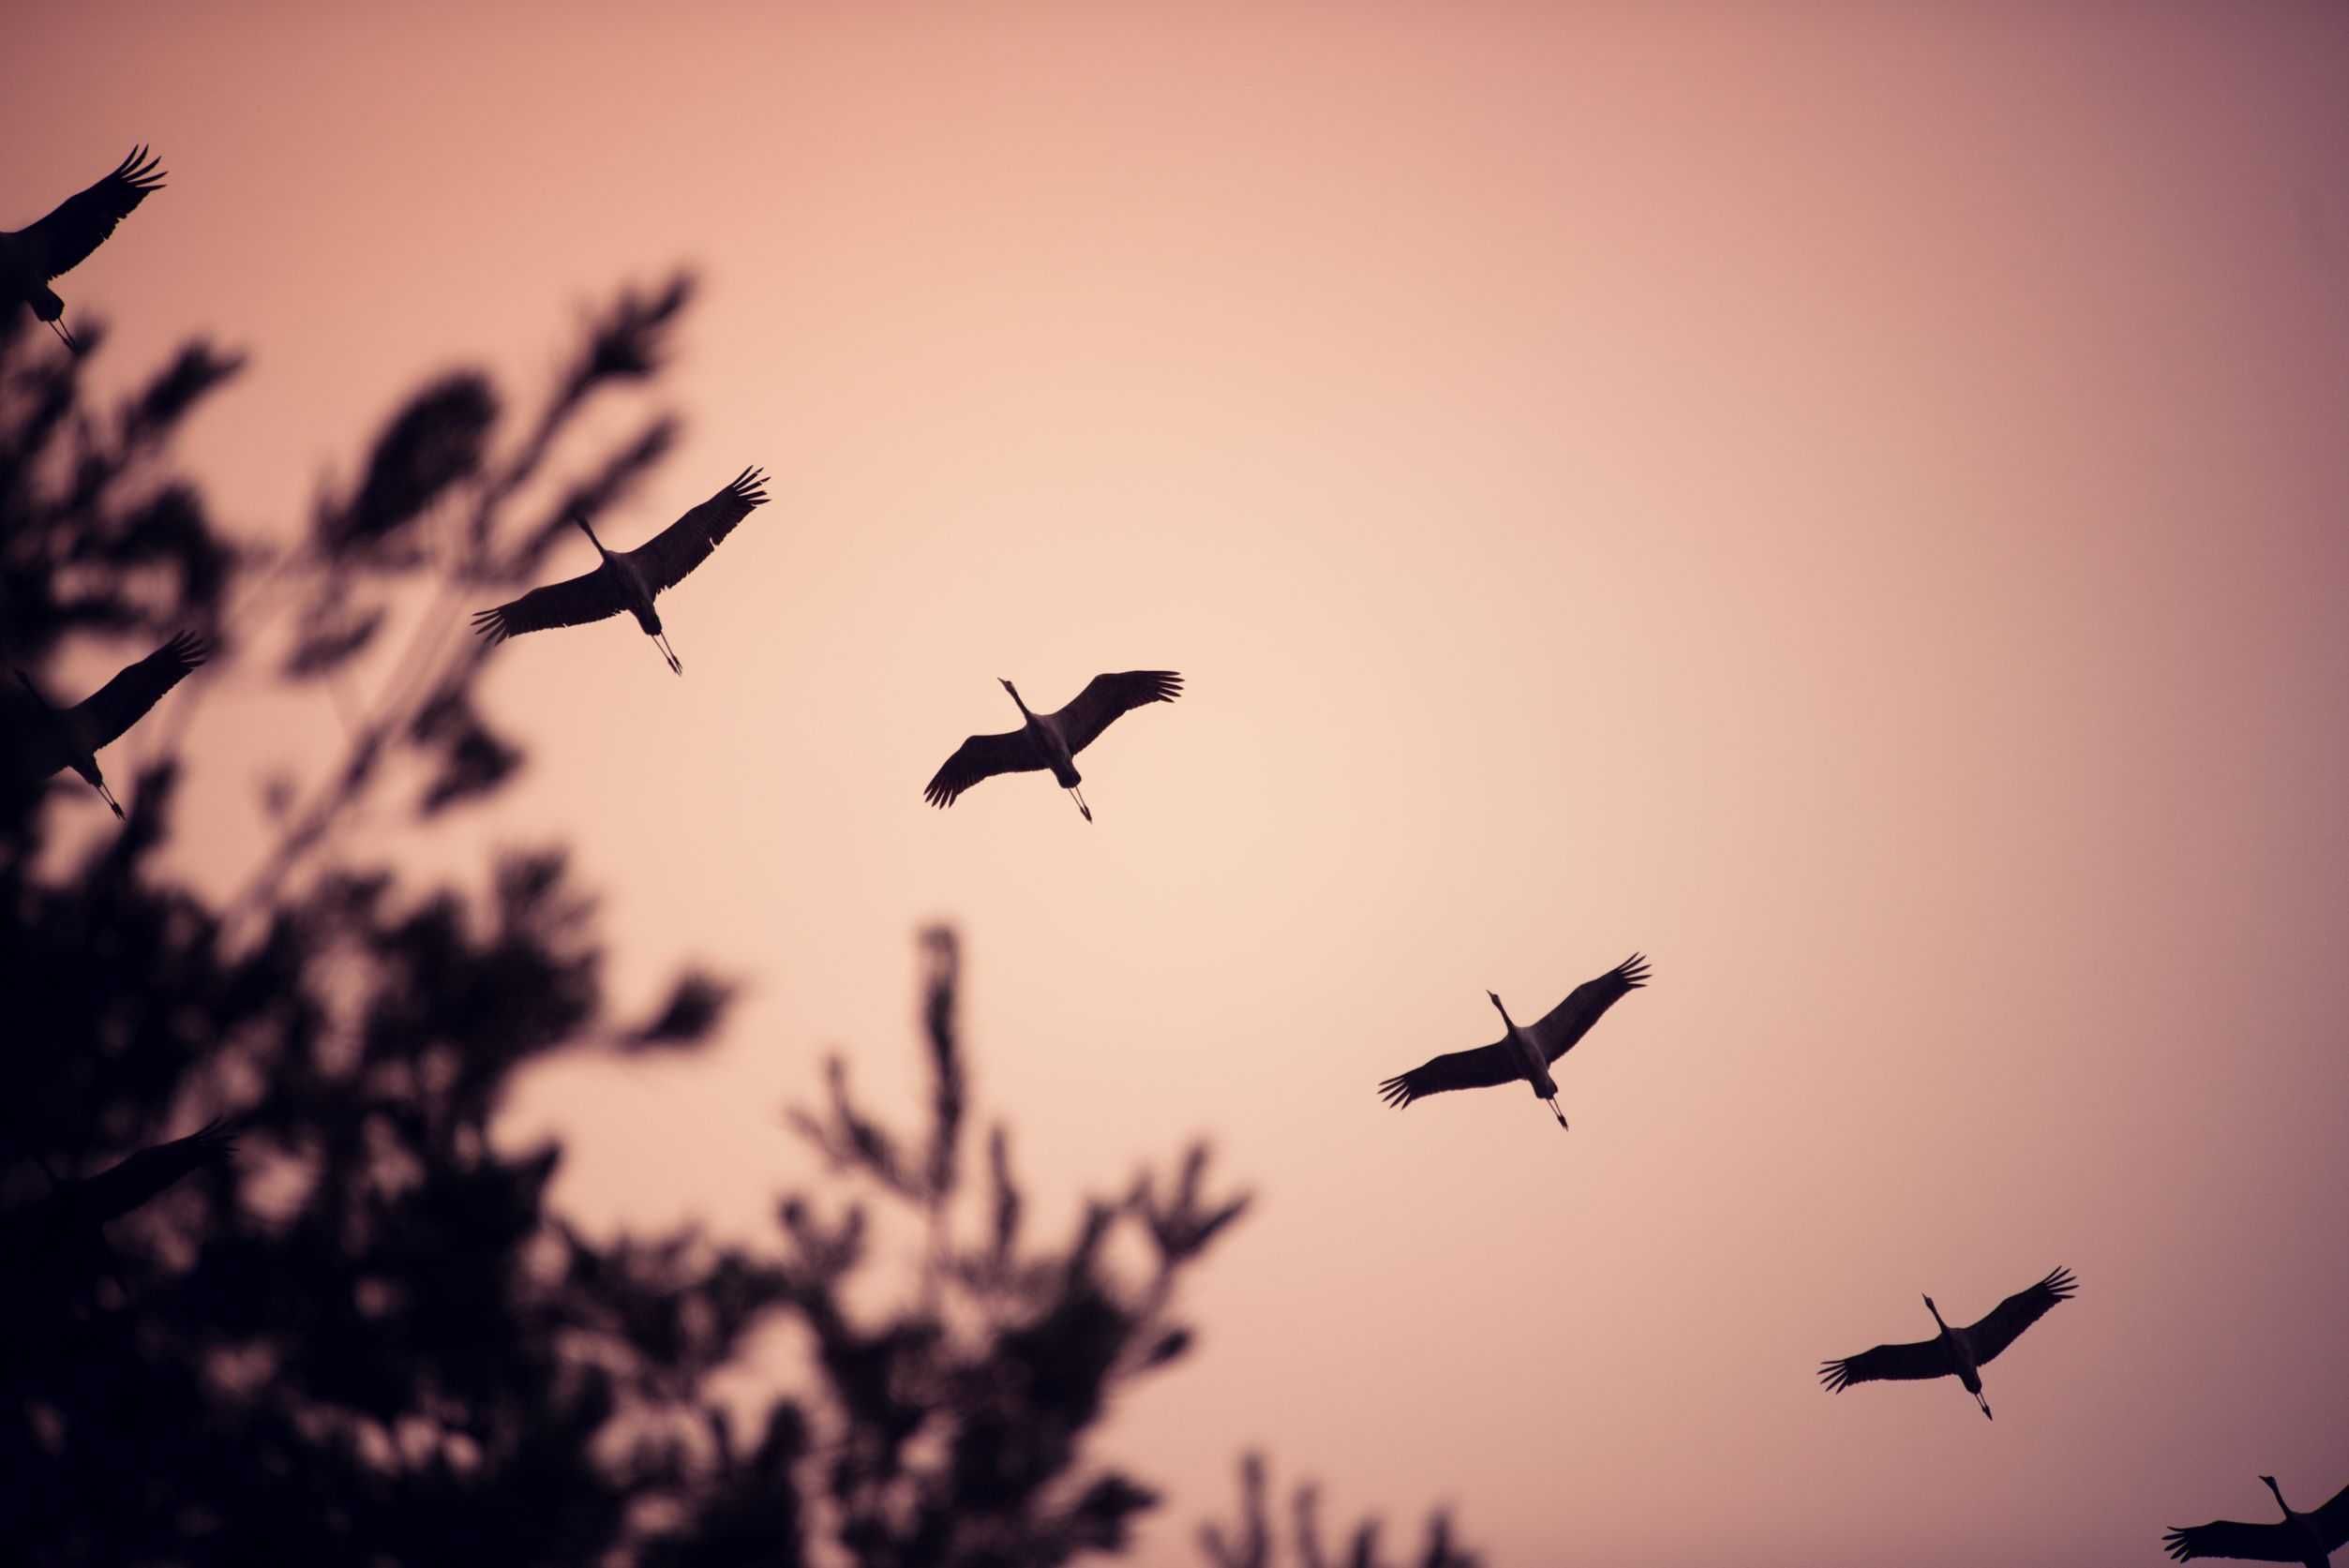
(2019, 1311)
(82, 221)
(2233, 1538)
(666, 558)
(1886, 1364)
(1105, 697)
(120, 1188)
(1571, 1019)
(101, 717)
(1480, 1069)
(571, 603)
(2332, 1521)
(981, 756)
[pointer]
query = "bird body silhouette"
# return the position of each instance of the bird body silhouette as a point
(2308, 1538)
(1958, 1352)
(1051, 741)
(627, 581)
(1521, 1053)
(57, 738)
(30, 257)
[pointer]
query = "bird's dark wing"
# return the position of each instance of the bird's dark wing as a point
(1480, 1069)
(2332, 1521)
(1571, 1019)
(82, 221)
(120, 1188)
(980, 757)
(1886, 1364)
(1105, 697)
(2233, 1538)
(2019, 1311)
(571, 603)
(685, 543)
(101, 717)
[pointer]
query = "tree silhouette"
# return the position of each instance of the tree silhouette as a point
(1252, 1542)
(365, 1337)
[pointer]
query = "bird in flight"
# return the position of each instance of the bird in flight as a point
(71, 737)
(81, 1207)
(57, 1242)
(629, 580)
(1958, 1352)
(1522, 1052)
(29, 258)
(1051, 740)
(2308, 1538)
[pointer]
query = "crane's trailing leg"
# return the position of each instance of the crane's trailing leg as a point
(661, 641)
(64, 336)
(108, 795)
(1985, 1406)
(1077, 796)
(1555, 1112)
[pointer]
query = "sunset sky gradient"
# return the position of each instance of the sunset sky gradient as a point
(1848, 499)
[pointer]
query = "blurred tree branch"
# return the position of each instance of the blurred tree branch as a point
(1251, 1543)
(370, 1338)
(963, 1443)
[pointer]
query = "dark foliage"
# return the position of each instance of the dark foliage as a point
(362, 1337)
(1251, 1543)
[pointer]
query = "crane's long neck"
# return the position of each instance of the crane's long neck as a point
(589, 528)
(2280, 1503)
(34, 691)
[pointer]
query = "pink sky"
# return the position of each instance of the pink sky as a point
(1848, 500)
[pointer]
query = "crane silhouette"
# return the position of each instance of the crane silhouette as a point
(1958, 1352)
(2308, 1538)
(630, 580)
(72, 737)
(1521, 1053)
(57, 1242)
(29, 258)
(1051, 740)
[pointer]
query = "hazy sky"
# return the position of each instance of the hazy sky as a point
(1847, 500)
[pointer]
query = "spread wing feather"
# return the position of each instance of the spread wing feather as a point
(2332, 1521)
(575, 602)
(1571, 1019)
(666, 558)
(1481, 1069)
(981, 756)
(1106, 697)
(82, 221)
(1886, 1362)
(2234, 1538)
(2019, 1311)
(120, 1188)
(101, 717)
